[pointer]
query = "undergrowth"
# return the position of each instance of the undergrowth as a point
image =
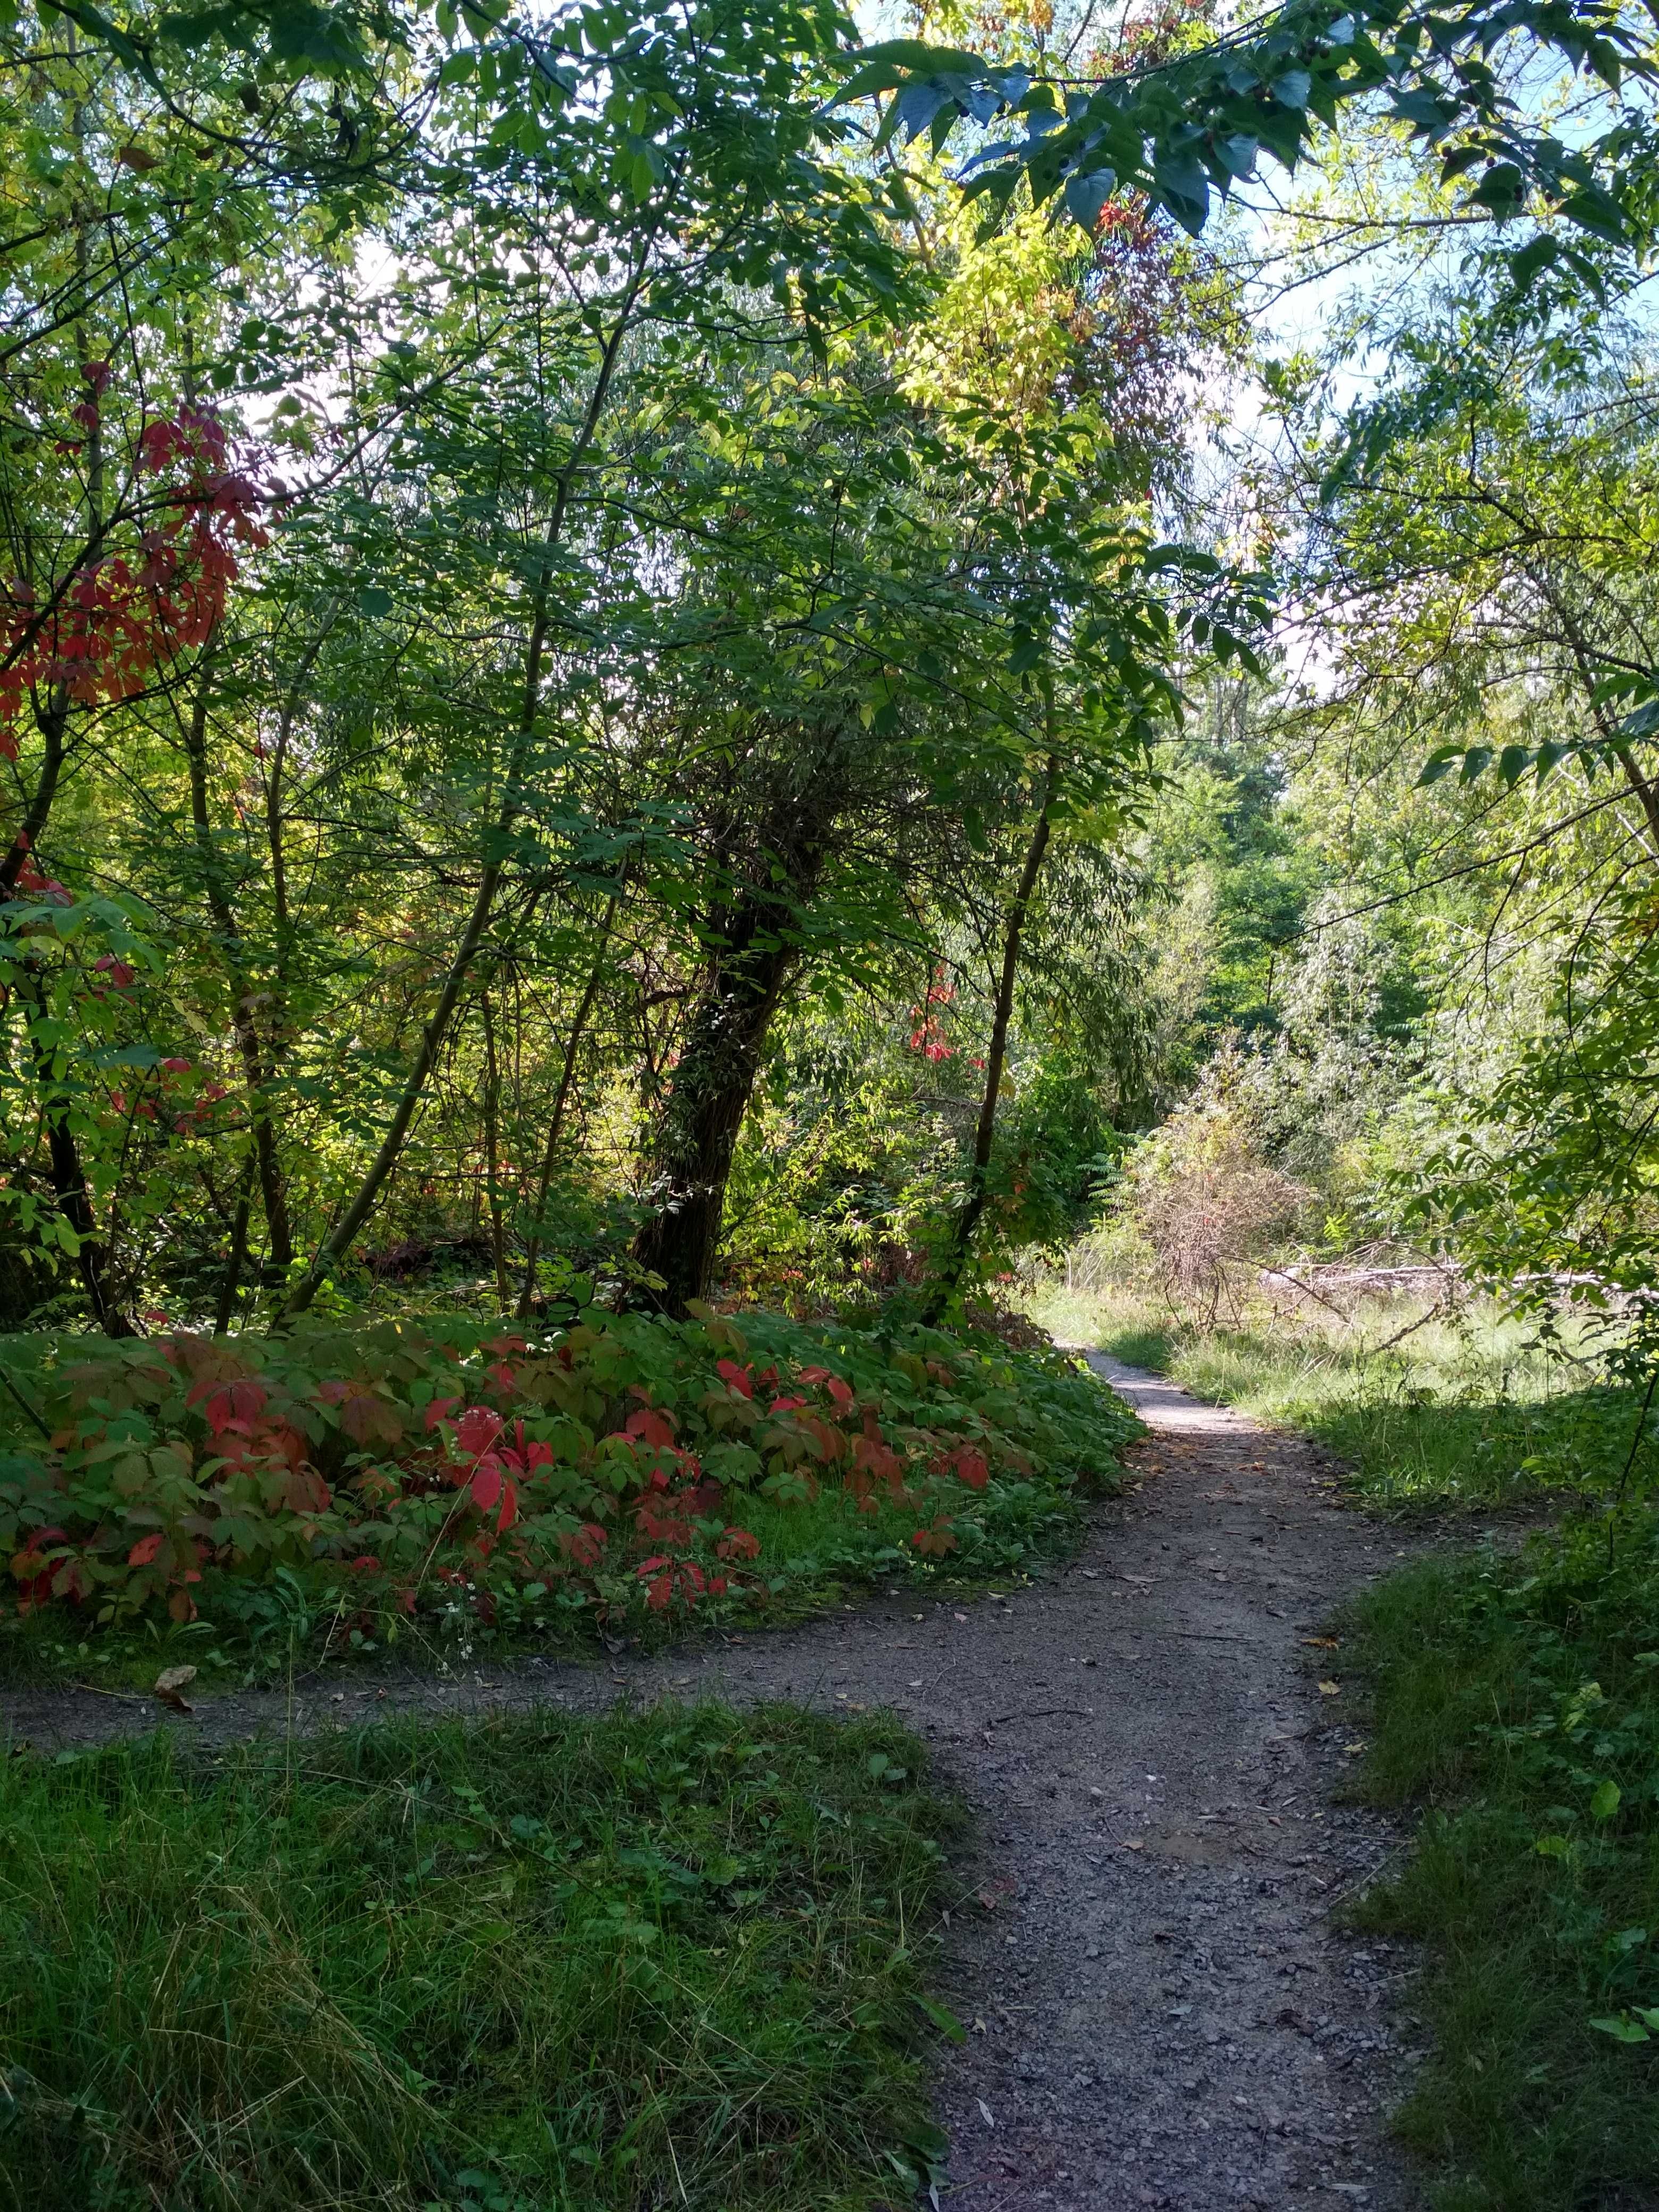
(540, 1965)
(1517, 1701)
(249, 1504)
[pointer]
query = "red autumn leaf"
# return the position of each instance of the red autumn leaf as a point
(786, 1405)
(478, 1429)
(825, 1441)
(439, 1410)
(242, 1400)
(815, 1374)
(368, 1418)
(738, 1544)
(840, 1394)
(143, 1552)
(740, 1378)
(972, 1465)
(651, 1425)
(487, 1483)
(583, 1546)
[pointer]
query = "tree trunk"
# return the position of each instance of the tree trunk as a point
(230, 1282)
(757, 949)
(257, 1070)
(69, 1180)
(492, 1097)
(968, 1219)
(561, 1099)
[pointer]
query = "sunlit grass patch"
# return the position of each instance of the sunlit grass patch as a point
(1516, 1704)
(668, 1958)
(1460, 1410)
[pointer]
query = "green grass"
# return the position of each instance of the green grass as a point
(674, 1958)
(1511, 1701)
(1461, 1415)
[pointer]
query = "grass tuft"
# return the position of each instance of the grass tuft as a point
(671, 1959)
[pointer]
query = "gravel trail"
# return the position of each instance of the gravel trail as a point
(1160, 2011)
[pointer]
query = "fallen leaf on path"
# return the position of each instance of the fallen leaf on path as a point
(1324, 1643)
(985, 2113)
(1330, 1689)
(1134, 1842)
(169, 1686)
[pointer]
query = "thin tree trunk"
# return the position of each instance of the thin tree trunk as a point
(560, 1100)
(235, 1264)
(257, 1069)
(493, 1151)
(968, 1219)
(69, 1180)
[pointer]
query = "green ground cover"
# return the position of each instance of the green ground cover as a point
(440, 1483)
(1516, 1704)
(672, 1958)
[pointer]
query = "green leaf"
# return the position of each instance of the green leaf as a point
(1624, 2029)
(1529, 264)
(943, 2018)
(1605, 1802)
(1086, 195)
(894, 62)
(1237, 154)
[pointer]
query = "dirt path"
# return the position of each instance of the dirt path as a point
(1161, 2014)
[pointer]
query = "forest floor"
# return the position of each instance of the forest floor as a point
(1163, 2007)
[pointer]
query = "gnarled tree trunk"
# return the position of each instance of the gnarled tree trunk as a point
(756, 946)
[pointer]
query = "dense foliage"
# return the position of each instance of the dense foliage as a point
(445, 1479)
